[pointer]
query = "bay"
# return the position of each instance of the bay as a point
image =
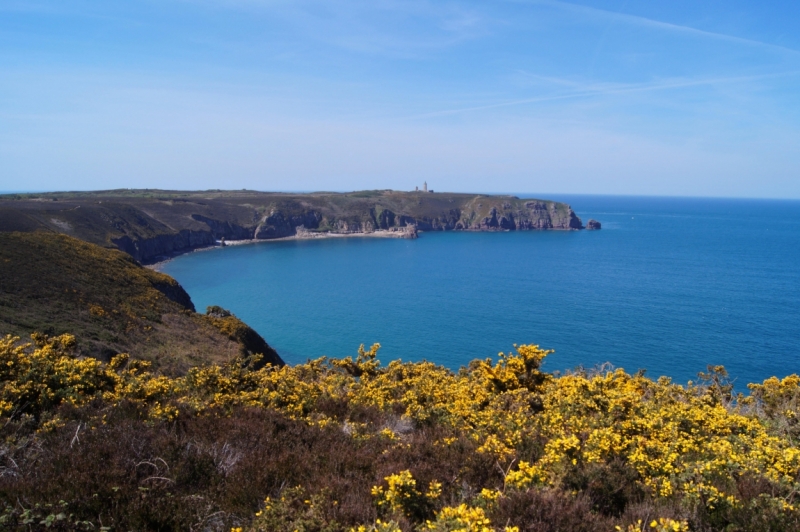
(669, 285)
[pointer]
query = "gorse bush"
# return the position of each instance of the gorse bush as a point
(350, 444)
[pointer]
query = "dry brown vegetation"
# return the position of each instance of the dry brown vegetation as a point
(335, 445)
(56, 284)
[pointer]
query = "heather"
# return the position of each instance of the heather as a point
(57, 284)
(352, 444)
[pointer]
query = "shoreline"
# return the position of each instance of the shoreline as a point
(301, 235)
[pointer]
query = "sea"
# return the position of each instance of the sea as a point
(668, 285)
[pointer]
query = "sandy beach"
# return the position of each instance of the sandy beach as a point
(301, 235)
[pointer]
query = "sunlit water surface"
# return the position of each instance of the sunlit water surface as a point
(668, 284)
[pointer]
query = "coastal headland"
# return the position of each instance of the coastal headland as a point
(53, 284)
(153, 225)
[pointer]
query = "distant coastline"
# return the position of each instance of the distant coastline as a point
(154, 225)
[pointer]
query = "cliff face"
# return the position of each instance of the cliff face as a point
(279, 224)
(146, 248)
(149, 225)
(529, 216)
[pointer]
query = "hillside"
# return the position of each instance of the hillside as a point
(54, 284)
(350, 445)
(151, 224)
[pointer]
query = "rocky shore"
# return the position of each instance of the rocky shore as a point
(153, 225)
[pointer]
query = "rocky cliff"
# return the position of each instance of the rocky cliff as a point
(152, 224)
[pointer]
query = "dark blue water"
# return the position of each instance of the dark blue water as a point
(668, 285)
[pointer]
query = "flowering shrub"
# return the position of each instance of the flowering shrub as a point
(441, 450)
(33, 381)
(778, 401)
(461, 518)
(661, 525)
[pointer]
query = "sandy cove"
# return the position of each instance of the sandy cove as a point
(301, 235)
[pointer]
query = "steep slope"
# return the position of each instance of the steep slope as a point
(56, 284)
(152, 224)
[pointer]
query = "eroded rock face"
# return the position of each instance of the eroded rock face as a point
(592, 225)
(225, 229)
(146, 249)
(278, 225)
(152, 228)
(408, 231)
(534, 215)
(384, 219)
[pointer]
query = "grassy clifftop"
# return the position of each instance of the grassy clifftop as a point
(149, 224)
(53, 284)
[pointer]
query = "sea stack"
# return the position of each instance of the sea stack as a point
(592, 225)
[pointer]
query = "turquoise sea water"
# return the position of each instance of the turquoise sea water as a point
(668, 284)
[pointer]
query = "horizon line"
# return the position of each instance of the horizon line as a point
(343, 191)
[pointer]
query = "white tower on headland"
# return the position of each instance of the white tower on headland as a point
(425, 186)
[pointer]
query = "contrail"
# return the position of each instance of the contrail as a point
(648, 22)
(602, 92)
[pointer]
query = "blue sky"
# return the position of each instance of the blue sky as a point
(605, 97)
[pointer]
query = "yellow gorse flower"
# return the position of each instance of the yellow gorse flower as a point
(687, 442)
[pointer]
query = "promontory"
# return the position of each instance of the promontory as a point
(152, 224)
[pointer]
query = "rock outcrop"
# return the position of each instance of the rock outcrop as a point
(592, 225)
(147, 248)
(279, 224)
(151, 225)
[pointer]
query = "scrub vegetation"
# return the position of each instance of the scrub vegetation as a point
(351, 444)
(55, 284)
